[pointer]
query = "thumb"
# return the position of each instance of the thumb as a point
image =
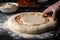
(46, 12)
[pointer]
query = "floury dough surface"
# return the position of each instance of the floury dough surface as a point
(4, 31)
(30, 29)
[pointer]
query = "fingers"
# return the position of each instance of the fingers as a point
(45, 12)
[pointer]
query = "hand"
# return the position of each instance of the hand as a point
(53, 8)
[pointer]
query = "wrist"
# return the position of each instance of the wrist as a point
(58, 3)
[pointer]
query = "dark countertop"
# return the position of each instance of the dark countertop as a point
(4, 17)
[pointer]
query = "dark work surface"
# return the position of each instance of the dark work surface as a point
(40, 9)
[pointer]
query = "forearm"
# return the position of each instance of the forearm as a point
(58, 3)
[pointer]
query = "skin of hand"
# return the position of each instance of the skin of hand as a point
(53, 8)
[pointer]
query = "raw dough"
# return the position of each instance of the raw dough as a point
(30, 22)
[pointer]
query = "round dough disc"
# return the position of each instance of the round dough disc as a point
(30, 22)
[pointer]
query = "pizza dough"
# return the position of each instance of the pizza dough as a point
(30, 22)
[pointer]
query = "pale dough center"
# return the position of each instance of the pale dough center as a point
(33, 19)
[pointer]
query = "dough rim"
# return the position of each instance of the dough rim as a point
(27, 29)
